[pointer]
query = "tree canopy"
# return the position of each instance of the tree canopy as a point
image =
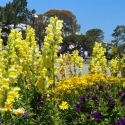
(16, 12)
(118, 34)
(79, 40)
(95, 34)
(69, 20)
(39, 24)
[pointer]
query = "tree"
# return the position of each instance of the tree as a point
(79, 40)
(95, 34)
(39, 24)
(119, 35)
(87, 43)
(70, 25)
(17, 12)
(1, 14)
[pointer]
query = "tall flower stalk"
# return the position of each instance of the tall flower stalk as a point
(76, 61)
(113, 66)
(98, 62)
(8, 76)
(49, 56)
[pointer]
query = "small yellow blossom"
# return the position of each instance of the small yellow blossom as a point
(123, 84)
(18, 111)
(63, 105)
(8, 106)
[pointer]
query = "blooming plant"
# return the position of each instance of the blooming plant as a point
(113, 66)
(99, 103)
(122, 66)
(8, 93)
(98, 62)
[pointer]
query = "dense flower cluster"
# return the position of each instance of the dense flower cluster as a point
(78, 83)
(113, 66)
(49, 56)
(99, 104)
(76, 61)
(98, 62)
(8, 76)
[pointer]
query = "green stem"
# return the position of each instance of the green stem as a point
(74, 69)
(5, 118)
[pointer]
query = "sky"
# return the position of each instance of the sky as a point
(101, 14)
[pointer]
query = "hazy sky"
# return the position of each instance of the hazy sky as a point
(102, 14)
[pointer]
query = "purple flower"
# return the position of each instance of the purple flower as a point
(95, 97)
(88, 117)
(97, 116)
(100, 87)
(120, 93)
(87, 96)
(87, 89)
(111, 103)
(25, 115)
(39, 103)
(77, 107)
(121, 122)
(82, 99)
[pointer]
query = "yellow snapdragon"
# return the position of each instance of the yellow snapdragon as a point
(98, 61)
(76, 60)
(52, 39)
(113, 66)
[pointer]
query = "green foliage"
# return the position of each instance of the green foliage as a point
(16, 12)
(39, 25)
(95, 34)
(80, 40)
(119, 35)
(98, 104)
(69, 20)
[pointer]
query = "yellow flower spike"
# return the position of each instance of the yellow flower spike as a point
(98, 62)
(49, 56)
(10, 97)
(113, 66)
(13, 74)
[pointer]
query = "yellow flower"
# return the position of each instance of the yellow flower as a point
(18, 111)
(123, 84)
(8, 106)
(12, 74)
(98, 62)
(63, 105)
(19, 69)
(5, 83)
(10, 97)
